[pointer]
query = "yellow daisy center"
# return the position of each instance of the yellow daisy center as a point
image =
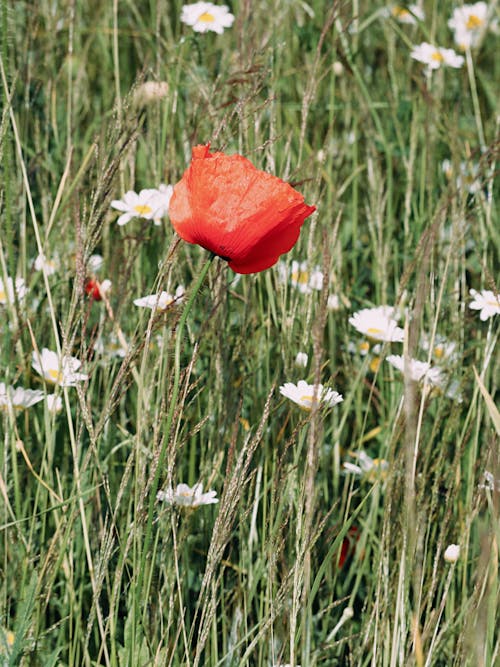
(143, 209)
(374, 364)
(3, 296)
(400, 12)
(474, 22)
(374, 331)
(493, 303)
(438, 56)
(300, 277)
(439, 351)
(364, 346)
(206, 17)
(55, 375)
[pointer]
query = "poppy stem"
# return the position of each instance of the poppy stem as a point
(168, 428)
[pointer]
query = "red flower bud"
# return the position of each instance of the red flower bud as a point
(92, 289)
(233, 209)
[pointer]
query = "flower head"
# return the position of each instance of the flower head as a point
(301, 359)
(485, 301)
(11, 289)
(150, 204)
(378, 324)
(54, 404)
(160, 301)
(62, 372)
(306, 395)
(435, 56)
(205, 16)
(367, 467)
(408, 14)
(417, 371)
(18, 398)
(452, 553)
(51, 266)
(468, 23)
(186, 496)
(95, 289)
(236, 211)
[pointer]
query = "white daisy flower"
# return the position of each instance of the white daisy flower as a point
(485, 301)
(305, 394)
(367, 467)
(378, 324)
(62, 372)
(160, 301)
(333, 302)
(18, 398)
(408, 15)
(301, 359)
(186, 496)
(468, 177)
(468, 23)
(150, 204)
(95, 263)
(452, 553)
(301, 277)
(435, 56)
(7, 291)
(54, 403)
(418, 371)
(443, 350)
(51, 266)
(205, 16)
(111, 347)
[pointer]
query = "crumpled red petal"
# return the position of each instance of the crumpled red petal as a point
(233, 209)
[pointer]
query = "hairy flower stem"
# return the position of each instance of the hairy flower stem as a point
(168, 427)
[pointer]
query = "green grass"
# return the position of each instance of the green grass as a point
(95, 571)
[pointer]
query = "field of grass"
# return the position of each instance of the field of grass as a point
(327, 544)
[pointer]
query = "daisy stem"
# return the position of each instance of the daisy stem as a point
(168, 425)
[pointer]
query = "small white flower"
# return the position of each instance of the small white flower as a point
(95, 263)
(485, 301)
(54, 403)
(111, 347)
(417, 370)
(305, 394)
(150, 204)
(489, 482)
(301, 359)
(378, 324)
(304, 279)
(18, 398)
(186, 496)
(468, 23)
(12, 288)
(367, 467)
(51, 266)
(162, 300)
(333, 302)
(205, 16)
(62, 372)
(408, 15)
(452, 553)
(443, 350)
(435, 56)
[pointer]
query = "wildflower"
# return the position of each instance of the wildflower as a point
(367, 467)
(468, 23)
(62, 372)
(112, 347)
(150, 204)
(407, 15)
(452, 553)
(306, 281)
(96, 290)
(301, 359)
(378, 324)
(51, 266)
(205, 16)
(435, 56)
(485, 301)
(305, 394)
(417, 370)
(233, 209)
(11, 289)
(54, 403)
(333, 302)
(489, 482)
(185, 496)
(149, 92)
(160, 301)
(95, 263)
(443, 350)
(18, 398)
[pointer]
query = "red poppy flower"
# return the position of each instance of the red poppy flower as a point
(233, 209)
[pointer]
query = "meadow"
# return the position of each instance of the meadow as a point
(169, 493)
